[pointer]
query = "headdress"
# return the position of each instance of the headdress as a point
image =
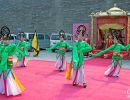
(62, 34)
(22, 34)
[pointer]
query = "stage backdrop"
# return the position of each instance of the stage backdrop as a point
(75, 27)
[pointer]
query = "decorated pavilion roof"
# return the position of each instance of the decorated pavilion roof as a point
(114, 11)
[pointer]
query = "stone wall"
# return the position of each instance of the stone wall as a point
(49, 16)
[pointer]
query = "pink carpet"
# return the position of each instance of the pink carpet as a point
(43, 82)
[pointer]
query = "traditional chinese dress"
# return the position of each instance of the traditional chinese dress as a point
(9, 84)
(116, 63)
(62, 46)
(77, 72)
(22, 50)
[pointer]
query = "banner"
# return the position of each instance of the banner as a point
(35, 44)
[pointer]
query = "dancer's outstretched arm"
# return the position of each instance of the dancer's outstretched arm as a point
(103, 51)
(53, 46)
(69, 46)
(127, 46)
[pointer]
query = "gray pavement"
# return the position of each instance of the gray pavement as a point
(50, 56)
(47, 56)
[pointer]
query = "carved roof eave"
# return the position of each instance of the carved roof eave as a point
(114, 11)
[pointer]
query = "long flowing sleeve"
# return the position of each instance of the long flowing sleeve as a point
(79, 49)
(103, 51)
(8, 51)
(18, 50)
(123, 47)
(12, 48)
(26, 46)
(86, 49)
(53, 46)
(127, 46)
(75, 57)
(3, 64)
(21, 49)
(69, 46)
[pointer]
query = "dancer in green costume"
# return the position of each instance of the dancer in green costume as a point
(9, 84)
(62, 47)
(79, 48)
(116, 63)
(22, 50)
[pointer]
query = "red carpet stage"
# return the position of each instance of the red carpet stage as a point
(43, 82)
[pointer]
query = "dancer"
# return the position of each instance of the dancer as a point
(9, 84)
(79, 48)
(22, 49)
(116, 63)
(62, 46)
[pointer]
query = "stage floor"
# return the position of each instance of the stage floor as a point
(43, 82)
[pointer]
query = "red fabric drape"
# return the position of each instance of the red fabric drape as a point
(122, 20)
(109, 20)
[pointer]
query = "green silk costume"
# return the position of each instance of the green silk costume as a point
(59, 45)
(5, 52)
(1, 43)
(79, 48)
(22, 49)
(115, 48)
(127, 46)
